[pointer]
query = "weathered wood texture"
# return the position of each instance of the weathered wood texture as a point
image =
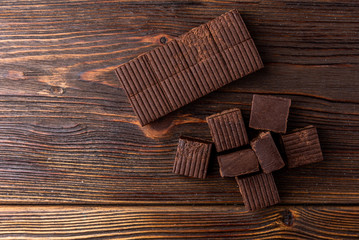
(69, 135)
(178, 223)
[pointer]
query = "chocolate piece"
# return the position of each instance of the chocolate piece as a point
(302, 147)
(267, 152)
(192, 157)
(185, 69)
(258, 191)
(269, 113)
(227, 129)
(238, 163)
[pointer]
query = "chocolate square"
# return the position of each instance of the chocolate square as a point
(267, 152)
(269, 113)
(227, 129)
(192, 157)
(302, 147)
(238, 163)
(258, 191)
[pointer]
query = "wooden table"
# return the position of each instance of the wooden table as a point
(75, 162)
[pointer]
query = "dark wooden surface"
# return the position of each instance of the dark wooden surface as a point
(69, 136)
(220, 222)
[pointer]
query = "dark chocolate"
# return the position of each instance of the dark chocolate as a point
(238, 163)
(269, 113)
(189, 67)
(192, 157)
(227, 129)
(302, 147)
(258, 191)
(267, 152)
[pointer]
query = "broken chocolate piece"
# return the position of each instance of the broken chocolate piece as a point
(267, 152)
(189, 67)
(269, 113)
(238, 163)
(192, 157)
(302, 147)
(227, 129)
(258, 191)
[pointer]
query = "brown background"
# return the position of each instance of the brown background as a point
(75, 162)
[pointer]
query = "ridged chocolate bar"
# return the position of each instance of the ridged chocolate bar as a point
(238, 163)
(267, 152)
(302, 147)
(258, 191)
(197, 63)
(227, 129)
(192, 157)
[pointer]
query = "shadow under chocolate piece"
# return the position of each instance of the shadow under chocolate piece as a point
(238, 163)
(192, 157)
(227, 129)
(258, 191)
(302, 147)
(189, 67)
(267, 152)
(269, 113)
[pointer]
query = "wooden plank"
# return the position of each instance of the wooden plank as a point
(227, 222)
(69, 135)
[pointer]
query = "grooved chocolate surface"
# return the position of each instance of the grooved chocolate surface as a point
(192, 157)
(267, 152)
(302, 147)
(238, 163)
(197, 63)
(258, 191)
(269, 113)
(227, 129)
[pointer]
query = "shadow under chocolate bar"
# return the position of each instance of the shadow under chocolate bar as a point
(185, 69)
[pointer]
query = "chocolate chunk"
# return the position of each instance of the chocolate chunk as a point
(269, 113)
(227, 129)
(192, 157)
(302, 147)
(189, 67)
(238, 163)
(258, 191)
(267, 153)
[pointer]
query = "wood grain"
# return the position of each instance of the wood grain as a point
(226, 222)
(69, 135)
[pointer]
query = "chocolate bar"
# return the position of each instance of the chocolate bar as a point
(227, 129)
(238, 163)
(185, 69)
(267, 153)
(302, 147)
(269, 113)
(192, 157)
(258, 191)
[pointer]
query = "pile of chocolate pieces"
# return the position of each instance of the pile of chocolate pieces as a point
(250, 162)
(197, 63)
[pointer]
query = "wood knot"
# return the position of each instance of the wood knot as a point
(57, 90)
(163, 40)
(158, 129)
(288, 218)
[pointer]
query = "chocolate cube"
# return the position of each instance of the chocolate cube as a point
(302, 147)
(269, 113)
(192, 157)
(227, 129)
(238, 163)
(258, 191)
(267, 152)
